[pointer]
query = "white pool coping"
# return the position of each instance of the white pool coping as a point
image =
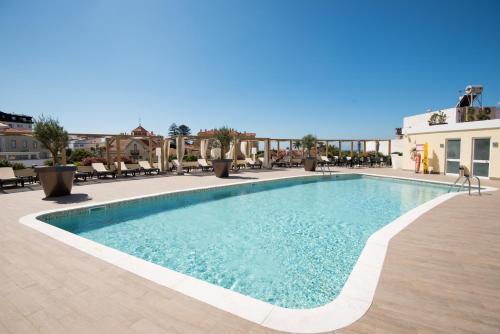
(350, 305)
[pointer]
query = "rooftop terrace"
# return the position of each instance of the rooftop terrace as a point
(441, 273)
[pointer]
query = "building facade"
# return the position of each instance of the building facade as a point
(460, 136)
(17, 143)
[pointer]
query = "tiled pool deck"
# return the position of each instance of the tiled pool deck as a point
(441, 274)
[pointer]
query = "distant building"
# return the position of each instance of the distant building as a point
(16, 142)
(87, 144)
(136, 148)
(15, 121)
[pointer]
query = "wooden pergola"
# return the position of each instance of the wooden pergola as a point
(164, 144)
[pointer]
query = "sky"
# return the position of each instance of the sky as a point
(280, 68)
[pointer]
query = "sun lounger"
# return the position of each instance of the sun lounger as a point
(252, 163)
(101, 171)
(204, 165)
(296, 162)
(186, 165)
(7, 176)
(27, 174)
(146, 167)
(125, 170)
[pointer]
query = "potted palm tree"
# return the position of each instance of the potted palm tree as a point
(221, 166)
(56, 180)
(309, 141)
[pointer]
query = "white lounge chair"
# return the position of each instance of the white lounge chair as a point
(252, 163)
(204, 165)
(146, 167)
(100, 170)
(124, 169)
(7, 176)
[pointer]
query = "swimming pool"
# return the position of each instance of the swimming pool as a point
(291, 243)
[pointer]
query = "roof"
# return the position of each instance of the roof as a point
(16, 131)
(17, 118)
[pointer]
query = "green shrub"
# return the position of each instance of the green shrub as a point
(190, 157)
(5, 163)
(79, 155)
(18, 165)
(90, 160)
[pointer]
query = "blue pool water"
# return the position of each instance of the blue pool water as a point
(291, 243)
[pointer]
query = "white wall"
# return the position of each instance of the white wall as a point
(421, 120)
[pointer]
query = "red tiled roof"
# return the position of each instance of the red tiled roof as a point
(20, 131)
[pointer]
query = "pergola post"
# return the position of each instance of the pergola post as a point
(389, 147)
(359, 148)
(235, 153)
(167, 153)
(291, 148)
(118, 155)
(340, 148)
(364, 148)
(267, 149)
(162, 154)
(302, 146)
(278, 151)
(326, 150)
(150, 149)
(352, 149)
(108, 153)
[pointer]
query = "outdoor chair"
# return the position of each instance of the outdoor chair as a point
(27, 174)
(147, 168)
(252, 163)
(204, 165)
(7, 176)
(101, 171)
(125, 170)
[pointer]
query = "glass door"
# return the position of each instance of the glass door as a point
(481, 157)
(452, 156)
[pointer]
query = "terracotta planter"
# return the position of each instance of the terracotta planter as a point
(310, 164)
(57, 180)
(221, 167)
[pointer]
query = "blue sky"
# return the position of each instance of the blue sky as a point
(279, 68)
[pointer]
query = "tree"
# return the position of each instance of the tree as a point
(173, 130)
(51, 135)
(297, 145)
(223, 136)
(184, 130)
(309, 141)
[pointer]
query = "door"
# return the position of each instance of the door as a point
(481, 157)
(452, 156)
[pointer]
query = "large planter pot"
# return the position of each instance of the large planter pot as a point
(221, 167)
(396, 161)
(57, 180)
(310, 164)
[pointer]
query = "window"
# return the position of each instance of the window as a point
(35, 145)
(452, 156)
(25, 144)
(13, 143)
(135, 147)
(481, 157)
